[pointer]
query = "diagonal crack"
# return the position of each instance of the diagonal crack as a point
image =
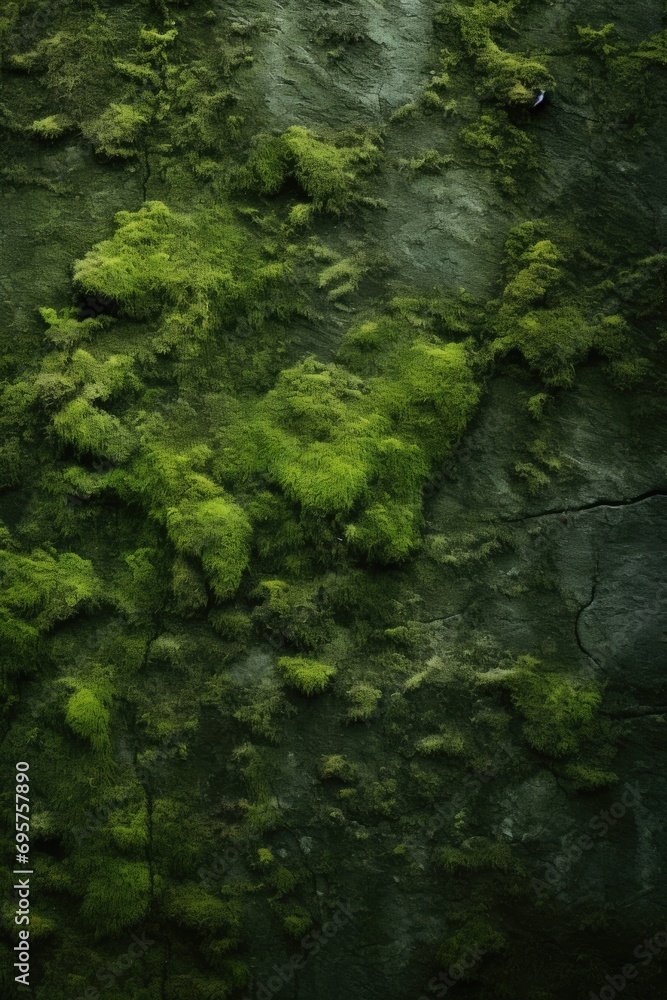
(594, 505)
(582, 609)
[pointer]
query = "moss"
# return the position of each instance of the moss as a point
(283, 880)
(38, 591)
(217, 531)
(294, 612)
(306, 676)
(330, 174)
(404, 113)
(601, 41)
(428, 162)
(75, 64)
(562, 716)
(501, 146)
(298, 922)
(51, 127)
(159, 258)
(536, 404)
(268, 705)
(536, 316)
(261, 816)
(587, 778)
(337, 766)
(188, 586)
(117, 898)
(535, 478)
(339, 28)
(88, 717)
(476, 929)
(117, 132)
(343, 275)
(363, 700)
(265, 856)
(510, 78)
(478, 854)
(193, 907)
(441, 743)
(93, 431)
(465, 549)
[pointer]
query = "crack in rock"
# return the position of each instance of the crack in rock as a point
(581, 611)
(594, 505)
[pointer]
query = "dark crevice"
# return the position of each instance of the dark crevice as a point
(659, 492)
(577, 621)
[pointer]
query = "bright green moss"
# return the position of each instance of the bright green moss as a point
(117, 897)
(561, 715)
(51, 127)
(441, 743)
(307, 676)
(600, 42)
(363, 700)
(512, 78)
(92, 431)
(88, 717)
(358, 449)
(588, 778)
(315, 442)
(38, 591)
(193, 907)
(428, 162)
(217, 531)
(387, 531)
(337, 766)
(117, 131)
(201, 521)
(298, 922)
(535, 316)
(158, 258)
(430, 391)
(507, 77)
(330, 174)
(498, 144)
